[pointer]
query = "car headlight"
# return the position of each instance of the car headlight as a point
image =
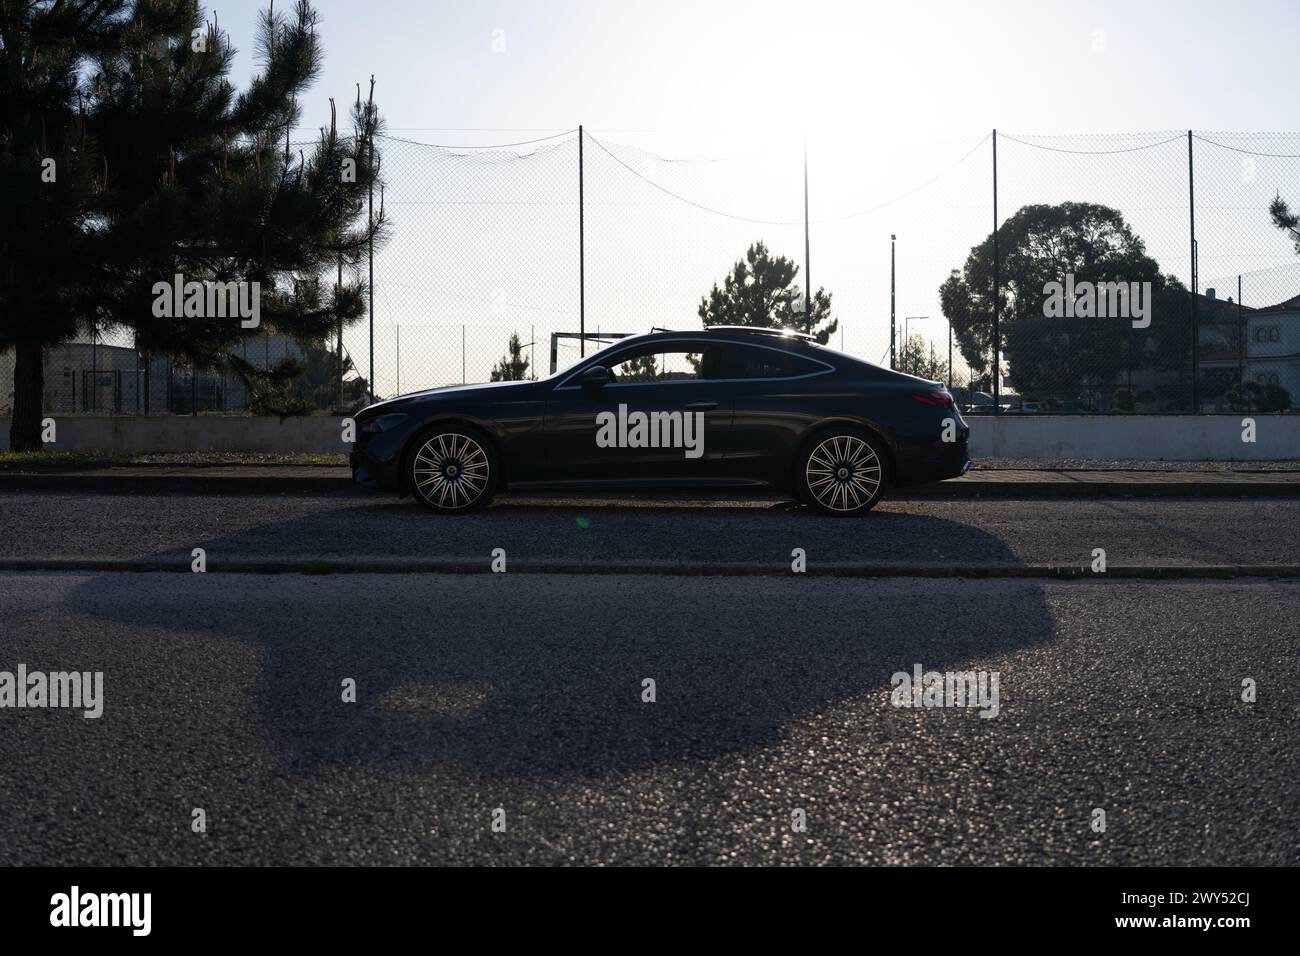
(384, 423)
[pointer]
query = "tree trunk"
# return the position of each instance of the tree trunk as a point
(29, 390)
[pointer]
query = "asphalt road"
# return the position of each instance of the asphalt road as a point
(524, 692)
(607, 532)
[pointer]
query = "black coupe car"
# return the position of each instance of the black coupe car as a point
(723, 405)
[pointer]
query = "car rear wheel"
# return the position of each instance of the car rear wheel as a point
(841, 472)
(452, 470)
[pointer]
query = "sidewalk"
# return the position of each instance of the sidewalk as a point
(979, 483)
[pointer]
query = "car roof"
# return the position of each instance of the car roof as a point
(783, 336)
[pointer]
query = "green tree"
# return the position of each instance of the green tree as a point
(760, 290)
(1286, 220)
(1257, 397)
(513, 366)
(318, 384)
(50, 182)
(1057, 355)
(917, 358)
(194, 179)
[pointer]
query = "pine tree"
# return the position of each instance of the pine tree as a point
(760, 291)
(197, 180)
(50, 182)
(513, 366)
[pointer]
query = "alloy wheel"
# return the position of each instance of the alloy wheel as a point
(843, 474)
(451, 471)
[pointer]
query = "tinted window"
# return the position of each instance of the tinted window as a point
(664, 362)
(748, 361)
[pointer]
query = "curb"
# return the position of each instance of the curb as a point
(181, 565)
(958, 488)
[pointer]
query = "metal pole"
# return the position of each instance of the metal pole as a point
(94, 367)
(398, 330)
(1241, 337)
(462, 355)
(582, 258)
(370, 219)
(339, 340)
(893, 333)
(997, 345)
(950, 355)
(807, 250)
(1191, 214)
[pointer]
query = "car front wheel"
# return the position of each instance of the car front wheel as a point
(452, 470)
(841, 473)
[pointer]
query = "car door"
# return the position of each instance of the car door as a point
(777, 396)
(658, 418)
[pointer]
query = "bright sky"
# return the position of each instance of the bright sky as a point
(887, 97)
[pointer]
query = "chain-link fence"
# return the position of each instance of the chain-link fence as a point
(1135, 272)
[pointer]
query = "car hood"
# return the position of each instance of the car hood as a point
(393, 404)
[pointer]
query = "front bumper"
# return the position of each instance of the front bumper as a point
(361, 470)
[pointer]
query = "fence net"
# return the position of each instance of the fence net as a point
(1177, 291)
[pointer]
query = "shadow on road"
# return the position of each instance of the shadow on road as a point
(541, 675)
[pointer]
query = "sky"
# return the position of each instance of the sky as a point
(915, 67)
(704, 109)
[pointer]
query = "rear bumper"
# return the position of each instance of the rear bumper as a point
(932, 461)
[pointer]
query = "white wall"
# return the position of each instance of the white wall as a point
(1171, 437)
(316, 434)
(1168, 437)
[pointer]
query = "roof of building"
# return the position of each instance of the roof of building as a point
(1290, 305)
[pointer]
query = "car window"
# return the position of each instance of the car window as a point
(665, 362)
(748, 361)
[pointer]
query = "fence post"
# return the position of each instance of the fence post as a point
(339, 340)
(1195, 318)
(370, 221)
(582, 256)
(1241, 338)
(807, 250)
(997, 344)
(893, 333)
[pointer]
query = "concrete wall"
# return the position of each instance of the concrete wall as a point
(316, 434)
(1171, 437)
(1168, 437)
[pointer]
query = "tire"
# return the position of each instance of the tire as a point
(841, 471)
(452, 469)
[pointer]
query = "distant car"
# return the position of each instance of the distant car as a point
(1024, 408)
(723, 405)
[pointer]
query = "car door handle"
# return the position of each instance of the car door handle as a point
(701, 406)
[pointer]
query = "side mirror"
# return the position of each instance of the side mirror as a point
(595, 377)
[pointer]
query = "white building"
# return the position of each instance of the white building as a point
(1273, 346)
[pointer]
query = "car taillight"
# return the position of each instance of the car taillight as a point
(938, 399)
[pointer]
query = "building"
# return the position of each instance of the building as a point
(1273, 346)
(87, 377)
